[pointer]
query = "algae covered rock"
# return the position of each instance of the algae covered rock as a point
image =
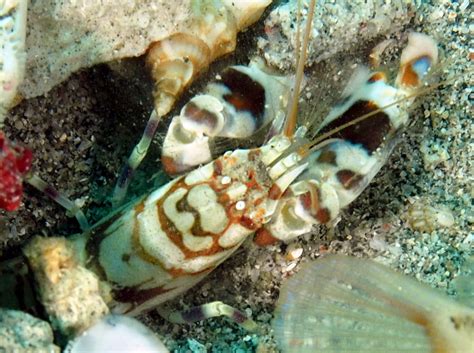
(22, 333)
(72, 295)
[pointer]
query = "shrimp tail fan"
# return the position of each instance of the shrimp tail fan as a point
(342, 304)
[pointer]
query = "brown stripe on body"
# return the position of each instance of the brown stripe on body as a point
(370, 132)
(323, 215)
(377, 76)
(196, 230)
(246, 94)
(247, 223)
(275, 192)
(142, 253)
(137, 296)
(217, 167)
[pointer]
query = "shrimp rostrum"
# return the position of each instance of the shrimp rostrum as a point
(159, 246)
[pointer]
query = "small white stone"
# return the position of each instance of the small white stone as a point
(290, 267)
(226, 180)
(240, 205)
(294, 252)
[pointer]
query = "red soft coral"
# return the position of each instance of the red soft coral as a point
(15, 162)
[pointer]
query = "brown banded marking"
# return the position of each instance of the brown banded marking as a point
(370, 133)
(138, 296)
(245, 94)
(327, 156)
(217, 167)
(238, 224)
(349, 179)
(275, 192)
(355, 140)
(263, 237)
(377, 76)
(312, 201)
(244, 100)
(201, 115)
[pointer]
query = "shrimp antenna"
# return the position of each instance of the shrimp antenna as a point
(293, 106)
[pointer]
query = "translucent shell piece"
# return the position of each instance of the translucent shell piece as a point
(344, 304)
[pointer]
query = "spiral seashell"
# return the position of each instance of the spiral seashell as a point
(345, 304)
(176, 61)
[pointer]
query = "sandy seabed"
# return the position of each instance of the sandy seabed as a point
(82, 131)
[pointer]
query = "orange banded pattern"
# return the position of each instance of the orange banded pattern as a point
(170, 240)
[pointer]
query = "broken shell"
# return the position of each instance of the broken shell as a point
(346, 304)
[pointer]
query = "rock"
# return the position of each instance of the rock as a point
(65, 36)
(23, 333)
(72, 295)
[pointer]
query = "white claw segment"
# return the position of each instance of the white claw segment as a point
(285, 181)
(281, 185)
(283, 165)
(202, 123)
(274, 148)
(182, 149)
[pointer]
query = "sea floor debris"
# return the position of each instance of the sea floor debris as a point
(78, 129)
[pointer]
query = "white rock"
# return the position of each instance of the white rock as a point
(116, 333)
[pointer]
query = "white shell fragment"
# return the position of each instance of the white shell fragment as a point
(344, 304)
(424, 216)
(116, 333)
(293, 252)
